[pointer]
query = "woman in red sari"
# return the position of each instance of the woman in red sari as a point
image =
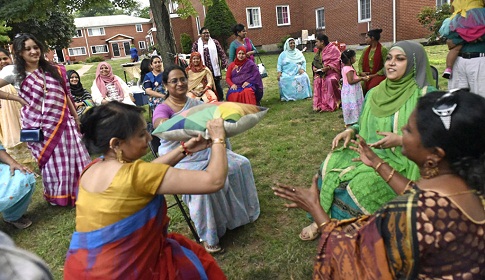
(371, 62)
(326, 75)
(244, 80)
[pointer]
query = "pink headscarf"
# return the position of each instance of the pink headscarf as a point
(101, 81)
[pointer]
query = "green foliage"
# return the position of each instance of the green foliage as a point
(432, 18)
(94, 58)
(4, 39)
(281, 44)
(220, 20)
(106, 9)
(143, 12)
(186, 42)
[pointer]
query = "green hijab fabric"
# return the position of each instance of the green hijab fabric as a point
(389, 95)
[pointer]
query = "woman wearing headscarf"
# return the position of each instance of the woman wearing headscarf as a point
(293, 80)
(350, 188)
(244, 80)
(82, 97)
(109, 87)
(201, 83)
(371, 62)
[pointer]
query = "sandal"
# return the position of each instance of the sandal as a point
(310, 232)
(21, 223)
(212, 248)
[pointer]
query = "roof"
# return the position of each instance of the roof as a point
(102, 21)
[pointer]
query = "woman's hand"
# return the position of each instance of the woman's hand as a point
(301, 71)
(366, 154)
(196, 144)
(19, 100)
(245, 84)
(345, 135)
(216, 128)
(278, 76)
(17, 166)
(77, 104)
(306, 199)
(234, 87)
(390, 140)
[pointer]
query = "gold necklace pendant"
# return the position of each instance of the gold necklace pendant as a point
(177, 104)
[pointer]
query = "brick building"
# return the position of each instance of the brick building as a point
(107, 36)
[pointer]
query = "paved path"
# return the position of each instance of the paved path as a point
(84, 69)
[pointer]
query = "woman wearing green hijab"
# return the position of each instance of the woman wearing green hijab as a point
(349, 188)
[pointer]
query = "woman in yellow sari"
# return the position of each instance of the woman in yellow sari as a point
(201, 83)
(10, 120)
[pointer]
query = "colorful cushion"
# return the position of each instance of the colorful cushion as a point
(238, 117)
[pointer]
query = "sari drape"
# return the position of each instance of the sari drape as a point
(326, 92)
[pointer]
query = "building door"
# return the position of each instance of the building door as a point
(126, 45)
(116, 49)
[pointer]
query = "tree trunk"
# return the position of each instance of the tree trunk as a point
(165, 37)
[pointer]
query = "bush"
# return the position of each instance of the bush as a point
(186, 43)
(94, 58)
(281, 44)
(432, 18)
(220, 20)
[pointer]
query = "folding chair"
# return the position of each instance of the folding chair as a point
(154, 147)
(435, 74)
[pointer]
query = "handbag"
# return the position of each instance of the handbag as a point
(262, 69)
(31, 135)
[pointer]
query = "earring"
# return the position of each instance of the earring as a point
(430, 169)
(119, 156)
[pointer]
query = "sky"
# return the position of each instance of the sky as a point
(145, 3)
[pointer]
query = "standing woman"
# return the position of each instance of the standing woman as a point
(201, 83)
(47, 105)
(244, 80)
(152, 82)
(326, 75)
(109, 87)
(10, 123)
(371, 63)
(241, 40)
(82, 97)
(292, 77)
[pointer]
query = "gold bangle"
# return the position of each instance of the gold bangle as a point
(407, 187)
(8, 96)
(182, 150)
(219, 141)
(390, 175)
(379, 165)
(322, 224)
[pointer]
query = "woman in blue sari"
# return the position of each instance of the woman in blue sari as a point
(293, 80)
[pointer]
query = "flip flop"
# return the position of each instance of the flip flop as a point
(213, 248)
(310, 231)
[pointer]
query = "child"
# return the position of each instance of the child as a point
(466, 24)
(352, 94)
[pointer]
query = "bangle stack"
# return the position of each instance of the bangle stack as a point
(219, 141)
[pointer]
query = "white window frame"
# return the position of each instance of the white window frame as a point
(77, 33)
(139, 27)
(101, 29)
(250, 26)
(439, 3)
(316, 18)
(359, 6)
(142, 45)
(289, 18)
(71, 51)
(94, 51)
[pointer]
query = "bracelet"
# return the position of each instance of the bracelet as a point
(379, 165)
(322, 224)
(219, 141)
(407, 187)
(390, 175)
(8, 96)
(185, 152)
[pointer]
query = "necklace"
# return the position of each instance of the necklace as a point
(177, 104)
(460, 193)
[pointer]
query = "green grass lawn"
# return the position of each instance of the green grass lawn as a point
(287, 146)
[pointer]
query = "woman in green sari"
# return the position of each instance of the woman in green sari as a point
(349, 188)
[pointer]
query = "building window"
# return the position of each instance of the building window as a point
(142, 45)
(440, 3)
(99, 49)
(139, 28)
(320, 18)
(77, 51)
(98, 31)
(364, 10)
(253, 17)
(283, 15)
(79, 33)
(173, 7)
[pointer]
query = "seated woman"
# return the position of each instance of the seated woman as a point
(293, 80)
(201, 82)
(121, 212)
(152, 82)
(109, 87)
(237, 203)
(326, 75)
(350, 189)
(82, 98)
(18, 184)
(435, 228)
(244, 80)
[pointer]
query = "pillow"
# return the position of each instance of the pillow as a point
(238, 117)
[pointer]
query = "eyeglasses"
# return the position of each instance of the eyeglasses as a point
(445, 106)
(182, 80)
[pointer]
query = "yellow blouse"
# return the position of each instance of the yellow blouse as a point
(462, 6)
(132, 188)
